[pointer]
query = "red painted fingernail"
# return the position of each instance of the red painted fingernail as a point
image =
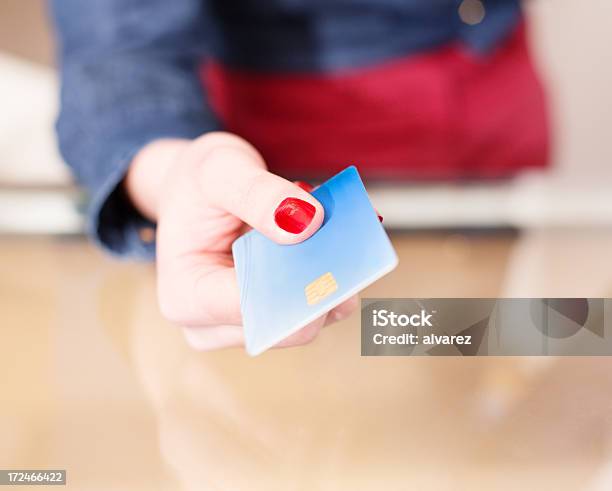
(294, 215)
(305, 186)
(380, 218)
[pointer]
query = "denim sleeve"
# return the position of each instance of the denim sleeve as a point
(129, 76)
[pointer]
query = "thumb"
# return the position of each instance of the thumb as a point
(235, 179)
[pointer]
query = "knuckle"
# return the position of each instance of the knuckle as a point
(201, 302)
(219, 149)
(169, 308)
(306, 335)
(218, 138)
(169, 312)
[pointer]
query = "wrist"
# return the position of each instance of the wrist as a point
(148, 171)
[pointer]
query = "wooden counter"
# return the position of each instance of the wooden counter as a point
(94, 381)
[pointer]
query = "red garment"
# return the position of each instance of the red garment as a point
(442, 114)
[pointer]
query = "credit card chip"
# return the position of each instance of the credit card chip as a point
(320, 288)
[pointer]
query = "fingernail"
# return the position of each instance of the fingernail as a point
(305, 186)
(380, 218)
(294, 215)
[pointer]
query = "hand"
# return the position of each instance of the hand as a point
(214, 188)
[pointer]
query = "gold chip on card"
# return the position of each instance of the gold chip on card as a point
(320, 288)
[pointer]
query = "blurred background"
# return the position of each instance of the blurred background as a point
(94, 381)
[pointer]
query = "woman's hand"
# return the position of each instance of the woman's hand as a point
(204, 194)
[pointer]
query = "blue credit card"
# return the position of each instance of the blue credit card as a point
(285, 287)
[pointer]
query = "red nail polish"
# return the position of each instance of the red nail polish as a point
(294, 215)
(304, 185)
(380, 218)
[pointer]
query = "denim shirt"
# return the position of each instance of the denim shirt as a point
(129, 71)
